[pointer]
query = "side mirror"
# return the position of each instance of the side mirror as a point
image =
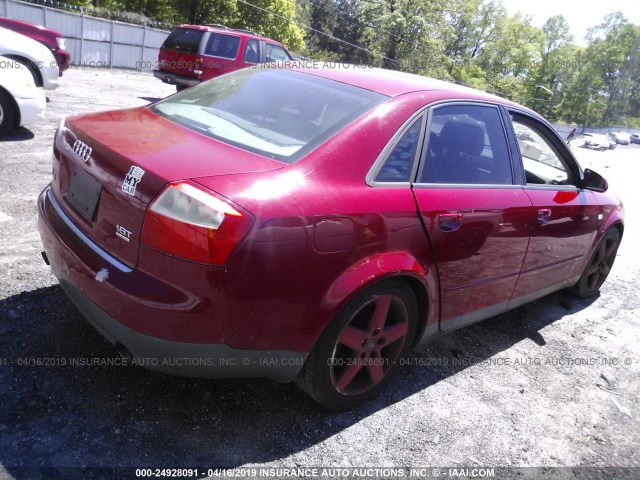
(594, 181)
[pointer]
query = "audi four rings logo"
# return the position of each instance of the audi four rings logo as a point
(82, 150)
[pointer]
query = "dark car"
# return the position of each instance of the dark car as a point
(195, 53)
(49, 38)
(316, 224)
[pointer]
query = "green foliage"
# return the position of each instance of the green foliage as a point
(472, 42)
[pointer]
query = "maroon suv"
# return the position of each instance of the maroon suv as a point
(49, 38)
(195, 53)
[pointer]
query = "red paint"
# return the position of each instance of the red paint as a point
(320, 235)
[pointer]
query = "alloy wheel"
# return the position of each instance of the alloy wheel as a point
(369, 344)
(601, 263)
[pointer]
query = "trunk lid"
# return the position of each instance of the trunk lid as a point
(134, 154)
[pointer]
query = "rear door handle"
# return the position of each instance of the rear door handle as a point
(544, 215)
(449, 222)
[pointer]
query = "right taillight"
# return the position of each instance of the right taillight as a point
(189, 222)
(198, 65)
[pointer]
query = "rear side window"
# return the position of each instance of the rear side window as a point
(466, 144)
(275, 53)
(223, 46)
(398, 166)
(184, 40)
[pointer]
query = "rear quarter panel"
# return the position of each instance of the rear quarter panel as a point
(293, 290)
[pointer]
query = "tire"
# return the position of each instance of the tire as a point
(7, 113)
(599, 265)
(354, 358)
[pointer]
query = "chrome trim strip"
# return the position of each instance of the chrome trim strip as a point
(467, 185)
(550, 186)
(90, 243)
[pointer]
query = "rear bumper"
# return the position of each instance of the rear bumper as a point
(187, 359)
(175, 79)
(105, 299)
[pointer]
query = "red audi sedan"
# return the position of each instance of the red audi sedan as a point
(315, 224)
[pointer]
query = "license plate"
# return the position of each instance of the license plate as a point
(84, 193)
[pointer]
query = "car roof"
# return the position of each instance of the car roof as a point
(391, 83)
(228, 30)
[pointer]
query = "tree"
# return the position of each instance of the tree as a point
(272, 18)
(406, 35)
(613, 46)
(544, 84)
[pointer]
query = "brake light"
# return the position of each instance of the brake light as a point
(198, 65)
(190, 222)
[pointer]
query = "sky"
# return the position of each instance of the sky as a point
(580, 14)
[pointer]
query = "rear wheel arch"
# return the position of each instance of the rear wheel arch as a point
(370, 270)
(397, 266)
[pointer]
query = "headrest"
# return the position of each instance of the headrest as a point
(462, 137)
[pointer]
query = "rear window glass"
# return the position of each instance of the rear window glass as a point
(281, 114)
(221, 45)
(184, 40)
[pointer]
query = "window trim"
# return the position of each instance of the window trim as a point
(463, 102)
(548, 133)
(375, 169)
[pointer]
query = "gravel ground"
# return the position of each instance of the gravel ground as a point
(554, 383)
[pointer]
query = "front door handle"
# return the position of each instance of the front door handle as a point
(544, 215)
(449, 222)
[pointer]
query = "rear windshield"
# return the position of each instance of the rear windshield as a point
(184, 40)
(281, 114)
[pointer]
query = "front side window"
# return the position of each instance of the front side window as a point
(542, 164)
(281, 114)
(223, 46)
(466, 144)
(275, 53)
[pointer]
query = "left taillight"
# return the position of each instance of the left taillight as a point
(189, 222)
